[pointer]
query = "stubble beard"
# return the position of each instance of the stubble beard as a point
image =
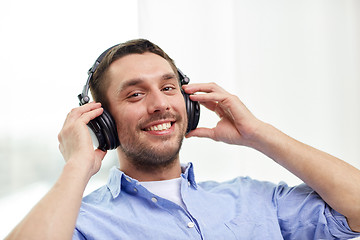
(147, 158)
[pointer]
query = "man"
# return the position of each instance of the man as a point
(153, 196)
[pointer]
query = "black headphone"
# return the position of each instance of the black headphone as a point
(104, 126)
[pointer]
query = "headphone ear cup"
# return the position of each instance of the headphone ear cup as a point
(109, 130)
(193, 112)
(105, 130)
(95, 127)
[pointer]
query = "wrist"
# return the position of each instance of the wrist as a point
(260, 136)
(74, 170)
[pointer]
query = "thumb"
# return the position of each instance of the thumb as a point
(99, 154)
(202, 132)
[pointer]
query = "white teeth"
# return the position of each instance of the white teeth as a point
(159, 127)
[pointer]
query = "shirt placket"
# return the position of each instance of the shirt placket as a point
(131, 186)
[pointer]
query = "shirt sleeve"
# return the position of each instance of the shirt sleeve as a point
(303, 214)
(77, 235)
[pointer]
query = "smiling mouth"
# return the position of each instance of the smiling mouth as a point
(159, 127)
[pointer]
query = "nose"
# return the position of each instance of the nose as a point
(157, 102)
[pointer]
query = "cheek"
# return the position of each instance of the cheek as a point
(127, 118)
(182, 108)
(179, 104)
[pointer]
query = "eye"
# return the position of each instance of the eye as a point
(134, 95)
(168, 88)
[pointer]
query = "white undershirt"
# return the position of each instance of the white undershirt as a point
(168, 189)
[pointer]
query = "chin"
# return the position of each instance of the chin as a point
(147, 156)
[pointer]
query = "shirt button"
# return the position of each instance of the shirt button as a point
(189, 183)
(135, 190)
(128, 179)
(190, 224)
(154, 200)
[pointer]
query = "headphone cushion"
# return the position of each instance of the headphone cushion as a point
(111, 131)
(95, 127)
(109, 138)
(193, 112)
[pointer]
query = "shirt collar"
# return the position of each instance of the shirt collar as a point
(118, 179)
(188, 173)
(114, 181)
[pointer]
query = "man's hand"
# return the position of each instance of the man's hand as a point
(75, 141)
(237, 125)
(333, 179)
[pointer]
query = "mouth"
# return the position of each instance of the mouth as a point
(159, 127)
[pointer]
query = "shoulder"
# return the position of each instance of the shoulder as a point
(99, 197)
(238, 181)
(248, 187)
(242, 185)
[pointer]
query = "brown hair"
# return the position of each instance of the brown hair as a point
(99, 83)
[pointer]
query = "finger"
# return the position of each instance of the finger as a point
(99, 154)
(207, 97)
(86, 117)
(202, 87)
(202, 133)
(76, 112)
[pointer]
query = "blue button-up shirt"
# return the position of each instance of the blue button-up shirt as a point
(242, 208)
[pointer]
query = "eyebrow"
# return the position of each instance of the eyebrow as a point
(138, 81)
(129, 83)
(168, 76)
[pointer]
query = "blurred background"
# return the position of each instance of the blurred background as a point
(295, 64)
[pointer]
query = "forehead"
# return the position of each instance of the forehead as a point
(146, 65)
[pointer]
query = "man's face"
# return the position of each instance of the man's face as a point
(148, 108)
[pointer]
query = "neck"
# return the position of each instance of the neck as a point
(145, 174)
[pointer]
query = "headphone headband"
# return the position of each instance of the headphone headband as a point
(84, 96)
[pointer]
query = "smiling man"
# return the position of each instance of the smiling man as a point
(153, 196)
(149, 111)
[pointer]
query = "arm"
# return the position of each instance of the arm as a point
(333, 179)
(54, 217)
